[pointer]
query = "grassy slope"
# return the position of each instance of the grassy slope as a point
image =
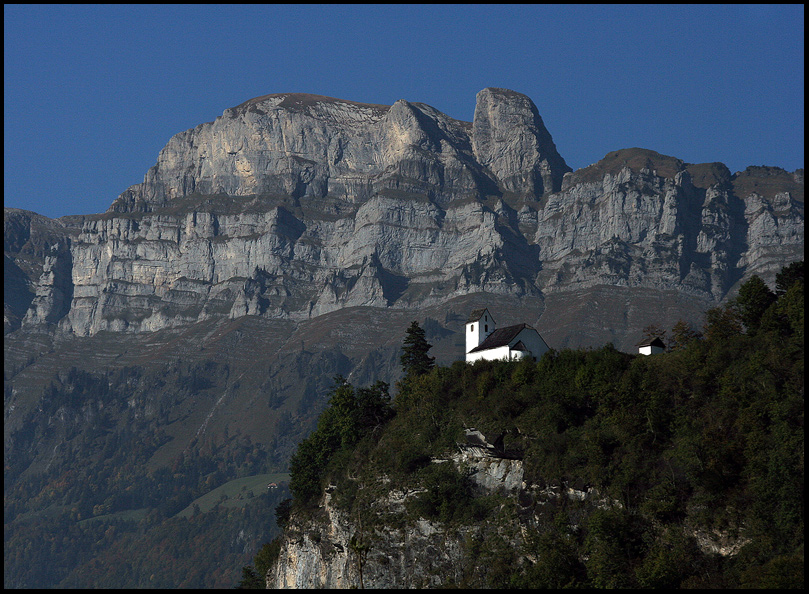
(235, 493)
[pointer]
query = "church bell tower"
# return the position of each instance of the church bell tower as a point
(479, 325)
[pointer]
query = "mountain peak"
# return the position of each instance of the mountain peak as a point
(510, 138)
(295, 205)
(301, 144)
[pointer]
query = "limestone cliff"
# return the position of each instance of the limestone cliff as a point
(291, 206)
(323, 551)
(307, 145)
(331, 549)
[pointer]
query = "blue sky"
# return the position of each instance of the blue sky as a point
(92, 93)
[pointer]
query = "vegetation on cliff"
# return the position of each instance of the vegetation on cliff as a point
(702, 442)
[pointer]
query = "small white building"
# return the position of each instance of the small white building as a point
(651, 346)
(485, 341)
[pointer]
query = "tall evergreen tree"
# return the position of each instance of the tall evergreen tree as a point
(753, 300)
(415, 360)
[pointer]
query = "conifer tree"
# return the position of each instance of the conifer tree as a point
(250, 579)
(415, 360)
(753, 300)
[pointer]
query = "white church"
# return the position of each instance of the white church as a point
(485, 341)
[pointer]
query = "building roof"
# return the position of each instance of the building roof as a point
(500, 337)
(475, 315)
(652, 342)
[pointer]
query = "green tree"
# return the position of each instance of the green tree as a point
(336, 428)
(338, 422)
(373, 406)
(250, 579)
(722, 323)
(612, 544)
(682, 334)
(266, 557)
(788, 276)
(415, 360)
(350, 416)
(791, 307)
(557, 564)
(753, 300)
(282, 512)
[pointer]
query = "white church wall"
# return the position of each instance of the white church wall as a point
(650, 350)
(533, 342)
(489, 354)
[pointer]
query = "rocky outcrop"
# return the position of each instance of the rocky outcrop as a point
(510, 139)
(291, 206)
(323, 551)
(332, 550)
(37, 268)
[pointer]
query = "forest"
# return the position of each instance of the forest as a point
(104, 514)
(704, 438)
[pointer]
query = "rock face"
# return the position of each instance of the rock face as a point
(510, 139)
(318, 552)
(291, 206)
(307, 145)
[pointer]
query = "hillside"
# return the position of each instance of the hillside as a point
(589, 468)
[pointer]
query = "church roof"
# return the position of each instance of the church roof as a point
(655, 341)
(475, 315)
(500, 337)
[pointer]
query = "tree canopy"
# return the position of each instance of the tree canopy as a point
(754, 298)
(350, 415)
(704, 440)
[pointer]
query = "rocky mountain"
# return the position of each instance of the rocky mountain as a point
(291, 206)
(296, 236)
